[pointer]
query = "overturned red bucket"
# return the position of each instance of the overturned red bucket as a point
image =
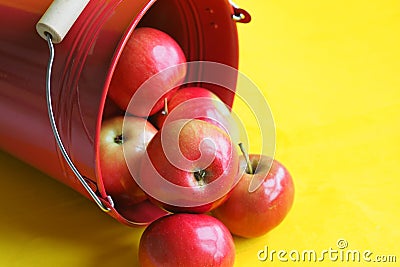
(81, 74)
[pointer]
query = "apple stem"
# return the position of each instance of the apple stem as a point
(119, 139)
(165, 111)
(200, 176)
(249, 168)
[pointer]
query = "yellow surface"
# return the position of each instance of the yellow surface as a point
(330, 72)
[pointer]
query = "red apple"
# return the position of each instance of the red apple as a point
(190, 166)
(194, 103)
(121, 142)
(186, 240)
(147, 52)
(252, 214)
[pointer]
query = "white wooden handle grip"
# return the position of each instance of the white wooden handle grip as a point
(59, 18)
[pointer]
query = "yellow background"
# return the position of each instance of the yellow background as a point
(330, 72)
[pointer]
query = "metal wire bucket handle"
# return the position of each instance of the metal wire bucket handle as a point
(57, 135)
(53, 26)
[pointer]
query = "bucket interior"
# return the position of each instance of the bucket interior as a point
(206, 32)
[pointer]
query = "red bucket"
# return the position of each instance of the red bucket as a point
(82, 71)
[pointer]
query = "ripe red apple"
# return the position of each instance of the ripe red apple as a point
(147, 52)
(196, 102)
(133, 135)
(252, 214)
(190, 166)
(186, 240)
